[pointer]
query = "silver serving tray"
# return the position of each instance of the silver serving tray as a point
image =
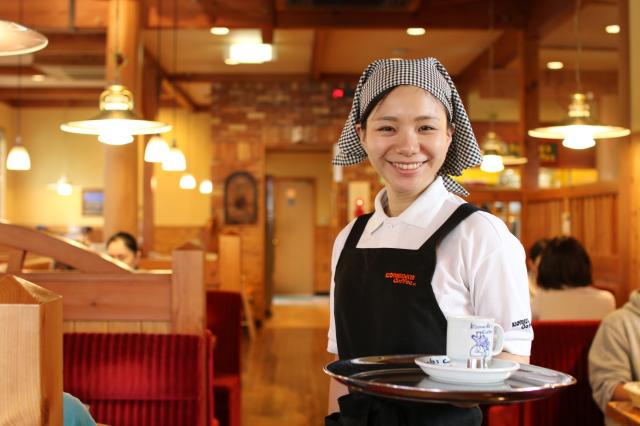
(398, 377)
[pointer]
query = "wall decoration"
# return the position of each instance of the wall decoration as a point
(92, 202)
(240, 199)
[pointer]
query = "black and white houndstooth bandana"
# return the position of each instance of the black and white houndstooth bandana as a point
(429, 74)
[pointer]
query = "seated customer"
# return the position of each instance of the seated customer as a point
(124, 247)
(75, 413)
(564, 279)
(533, 261)
(614, 358)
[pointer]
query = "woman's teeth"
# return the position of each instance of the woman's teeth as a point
(407, 166)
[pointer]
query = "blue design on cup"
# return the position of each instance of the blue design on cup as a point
(481, 347)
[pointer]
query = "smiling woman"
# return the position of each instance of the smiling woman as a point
(449, 258)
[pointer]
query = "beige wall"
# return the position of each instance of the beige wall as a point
(7, 125)
(31, 201)
(175, 206)
(309, 165)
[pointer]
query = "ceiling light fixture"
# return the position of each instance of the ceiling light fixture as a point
(63, 186)
(116, 123)
(156, 149)
(220, 31)
(249, 53)
(187, 181)
(417, 31)
(206, 186)
(612, 29)
(579, 130)
(18, 158)
(555, 65)
(16, 39)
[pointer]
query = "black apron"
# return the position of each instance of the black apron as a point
(384, 305)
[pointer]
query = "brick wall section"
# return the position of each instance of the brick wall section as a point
(247, 119)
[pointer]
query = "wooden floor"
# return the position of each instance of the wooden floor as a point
(282, 378)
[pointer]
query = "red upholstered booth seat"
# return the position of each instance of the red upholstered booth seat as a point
(138, 379)
(562, 346)
(224, 320)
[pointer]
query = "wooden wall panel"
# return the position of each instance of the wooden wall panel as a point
(324, 237)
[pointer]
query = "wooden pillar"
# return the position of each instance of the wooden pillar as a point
(30, 354)
(121, 162)
(529, 97)
(629, 201)
(607, 154)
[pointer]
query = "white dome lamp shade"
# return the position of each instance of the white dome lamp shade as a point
(492, 148)
(18, 158)
(187, 181)
(206, 186)
(156, 150)
(16, 39)
(116, 123)
(579, 130)
(174, 160)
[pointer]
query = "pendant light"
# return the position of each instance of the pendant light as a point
(579, 130)
(116, 123)
(175, 160)
(62, 186)
(18, 158)
(157, 148)
(16, 39)
(187, 181)
(206, 186)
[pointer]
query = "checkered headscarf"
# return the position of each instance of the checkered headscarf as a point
(429, 74)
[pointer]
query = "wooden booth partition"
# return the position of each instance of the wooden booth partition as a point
(589, 213)
(104, 295)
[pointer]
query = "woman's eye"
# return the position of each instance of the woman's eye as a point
(385, 129)
(426, 128)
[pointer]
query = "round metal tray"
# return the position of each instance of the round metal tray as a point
(397, 376)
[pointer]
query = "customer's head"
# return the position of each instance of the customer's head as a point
(535, 252)
(564, 263)
(124, 247)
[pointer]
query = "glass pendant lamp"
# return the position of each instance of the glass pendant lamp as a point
(579, 130)
(16, 39)
(187, 181)
(156, 149)
(206, 186)
(175, 160)
(116, 123)
(18, 158)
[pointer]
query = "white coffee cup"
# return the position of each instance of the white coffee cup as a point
(473, 337)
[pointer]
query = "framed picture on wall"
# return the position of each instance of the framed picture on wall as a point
(92, 202)
(240, 199)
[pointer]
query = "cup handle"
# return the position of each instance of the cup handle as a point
(498, 339)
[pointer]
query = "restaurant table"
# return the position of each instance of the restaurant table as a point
(398, 377)
(623, 412)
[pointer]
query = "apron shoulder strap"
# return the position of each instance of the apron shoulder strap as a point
(461, 213)
(357, 230)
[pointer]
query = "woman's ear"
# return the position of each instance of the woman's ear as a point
(361, 134)
(451, 129)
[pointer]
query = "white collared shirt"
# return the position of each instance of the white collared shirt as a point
(480, 268)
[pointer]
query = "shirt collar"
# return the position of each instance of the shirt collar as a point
(419, 213)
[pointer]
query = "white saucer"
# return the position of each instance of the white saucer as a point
(457, 371)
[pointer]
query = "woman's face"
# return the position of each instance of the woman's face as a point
(119, 250)
(406, 139)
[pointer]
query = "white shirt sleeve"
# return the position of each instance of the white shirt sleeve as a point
(499, 288)
(338, 245)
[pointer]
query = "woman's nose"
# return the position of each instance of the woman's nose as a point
(407, 144)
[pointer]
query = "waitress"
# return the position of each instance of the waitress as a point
(408, 120)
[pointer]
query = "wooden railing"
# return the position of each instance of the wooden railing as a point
(103, 295)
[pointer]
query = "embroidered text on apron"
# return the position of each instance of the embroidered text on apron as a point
(384, 305)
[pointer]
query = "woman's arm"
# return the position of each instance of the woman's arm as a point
(517, 358)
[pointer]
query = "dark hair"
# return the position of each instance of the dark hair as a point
(536, 248)
(564, 262)
(128, 240)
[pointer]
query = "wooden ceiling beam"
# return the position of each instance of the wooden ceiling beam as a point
(505, 50)
(70, 59)
(182, 97)
(214, 77)
(94, 42)
(51, 93)
(318, 52)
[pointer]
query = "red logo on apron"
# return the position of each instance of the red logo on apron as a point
(402, 279)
